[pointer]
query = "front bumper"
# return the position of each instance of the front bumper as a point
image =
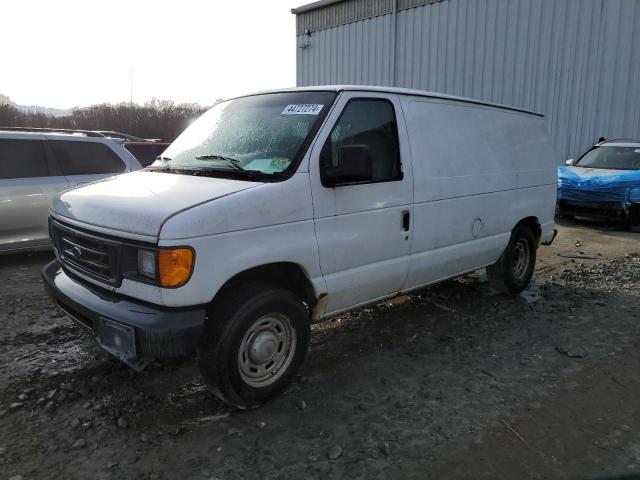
(599, 210)
(131, 330)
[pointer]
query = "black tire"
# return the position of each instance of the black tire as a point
(231, 325)
(511, 274)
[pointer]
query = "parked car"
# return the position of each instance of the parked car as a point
(278, 209)
(604, 183)
(146, 152)
(35, 166)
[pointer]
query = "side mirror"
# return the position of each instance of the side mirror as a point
(354, 166)
(571, 162)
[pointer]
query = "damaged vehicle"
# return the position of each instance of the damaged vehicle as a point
(278, 209)
(603, 184)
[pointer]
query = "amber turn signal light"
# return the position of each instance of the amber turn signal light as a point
(174, 266)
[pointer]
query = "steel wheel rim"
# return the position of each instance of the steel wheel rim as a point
(266, 350)
(521, 258)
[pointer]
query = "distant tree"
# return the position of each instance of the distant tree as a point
(160, 119)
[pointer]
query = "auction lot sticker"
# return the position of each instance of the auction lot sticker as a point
(302, 109)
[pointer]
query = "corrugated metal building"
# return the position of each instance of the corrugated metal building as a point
(575, 61)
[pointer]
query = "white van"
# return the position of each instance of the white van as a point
(278, 209)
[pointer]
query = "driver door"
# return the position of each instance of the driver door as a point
(363, 228)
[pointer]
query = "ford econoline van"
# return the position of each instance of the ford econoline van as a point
(279, 209)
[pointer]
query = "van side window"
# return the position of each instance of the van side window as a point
(22, 159)
(86, 158)
(368, 123)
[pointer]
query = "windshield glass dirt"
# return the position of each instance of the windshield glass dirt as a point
(612, 158)
(262, 133)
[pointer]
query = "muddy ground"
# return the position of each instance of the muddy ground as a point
(453, 381)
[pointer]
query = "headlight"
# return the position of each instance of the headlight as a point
(147, 263)
(174, 266)
(168, 267)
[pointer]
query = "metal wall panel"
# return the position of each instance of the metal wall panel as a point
(341, 13)
(576, 61)
(404, 4)
(359, 53)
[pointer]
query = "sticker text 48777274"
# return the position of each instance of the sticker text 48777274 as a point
(302, 109)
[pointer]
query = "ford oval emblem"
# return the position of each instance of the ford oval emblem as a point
(76, 252)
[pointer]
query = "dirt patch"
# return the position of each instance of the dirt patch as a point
(443, 383)
(589, 419)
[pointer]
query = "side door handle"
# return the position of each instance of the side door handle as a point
(406, 220)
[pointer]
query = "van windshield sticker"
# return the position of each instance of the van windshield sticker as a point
(280, 162)
(637, 150)
(302, 109)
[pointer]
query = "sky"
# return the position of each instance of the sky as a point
(67, 53)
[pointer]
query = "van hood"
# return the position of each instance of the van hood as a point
(140, 202)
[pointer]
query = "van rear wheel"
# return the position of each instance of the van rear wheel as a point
(253, 344)
(512, 273)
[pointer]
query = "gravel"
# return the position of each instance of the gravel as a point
(79, 444)
(420, 387)
(335, 451)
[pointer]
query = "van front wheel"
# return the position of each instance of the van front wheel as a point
(253, 344)
(512, 273)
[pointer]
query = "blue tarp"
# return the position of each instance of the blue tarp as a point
(610, 187)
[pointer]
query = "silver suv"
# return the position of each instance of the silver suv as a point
(36, 165)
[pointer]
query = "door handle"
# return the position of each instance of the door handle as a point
(406, 220)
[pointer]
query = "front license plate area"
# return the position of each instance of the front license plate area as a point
(117, 339)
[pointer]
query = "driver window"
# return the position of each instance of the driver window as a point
(370, 123)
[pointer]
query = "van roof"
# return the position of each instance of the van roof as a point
(403, 91)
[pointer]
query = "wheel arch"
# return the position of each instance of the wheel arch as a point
(534, 224)
(288, 275)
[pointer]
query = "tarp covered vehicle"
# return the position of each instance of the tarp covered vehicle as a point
(604, 183)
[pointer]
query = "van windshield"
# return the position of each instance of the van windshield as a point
(612, 158)
(261, 135)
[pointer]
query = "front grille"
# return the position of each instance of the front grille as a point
(87, 253)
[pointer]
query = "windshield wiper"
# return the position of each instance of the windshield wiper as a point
(218, 157)
(234, 163)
